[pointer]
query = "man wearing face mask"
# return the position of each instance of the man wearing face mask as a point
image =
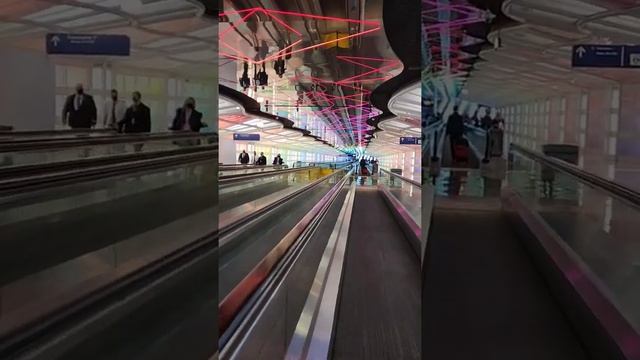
(137, 118)
(187, 117)
(79, 110)
(114, 111)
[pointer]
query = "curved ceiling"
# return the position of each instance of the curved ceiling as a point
(533, 59)
(335, 56)
(404, 121)
(235, 118)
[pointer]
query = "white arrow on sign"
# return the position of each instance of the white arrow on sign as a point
(55, 40)
(581, 51)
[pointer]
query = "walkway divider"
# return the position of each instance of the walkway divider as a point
(312, 337)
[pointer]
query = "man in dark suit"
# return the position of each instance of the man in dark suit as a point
(455, 128)
(137, 118)
(187, 117)
(79, 110)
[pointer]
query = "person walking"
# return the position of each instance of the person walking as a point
(114, 111)
(455, 129)
(79, 110)
(137, 118)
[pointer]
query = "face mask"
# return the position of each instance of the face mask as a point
(136, 100)
(114, 97)
(80, 91)
(190, 106)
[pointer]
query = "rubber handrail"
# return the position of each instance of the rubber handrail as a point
(52, 144)
(257, 175)
(21, 171)
(51, 180)
(228, 228)
(620, 191)
(56, 132)
(413, 182)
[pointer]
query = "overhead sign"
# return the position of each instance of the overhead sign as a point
(246, 137)
(88, 44)
(606, 56)
(410, 141)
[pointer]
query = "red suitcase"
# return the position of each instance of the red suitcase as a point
(364, 171)
(461, 153)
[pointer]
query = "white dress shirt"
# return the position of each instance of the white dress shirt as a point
(77, 101)
(109, 111)
(187, 115)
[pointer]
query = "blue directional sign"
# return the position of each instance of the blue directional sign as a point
(88, 44)
(410, 141)
(606, 56)
(246, 137)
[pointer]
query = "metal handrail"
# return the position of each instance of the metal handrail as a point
(620, 191)
(413, 182)
(54, 143)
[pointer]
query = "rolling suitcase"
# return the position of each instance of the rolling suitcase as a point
(364, 171)
(461, 151)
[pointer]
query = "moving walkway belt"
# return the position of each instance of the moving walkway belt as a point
(379, 306)
(483, 297)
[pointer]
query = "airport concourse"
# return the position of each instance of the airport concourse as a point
(186, 181)
(243, 179)
(532, 195)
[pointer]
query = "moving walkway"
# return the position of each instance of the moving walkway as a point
(109, 261)
(540, 270)
(291, 275)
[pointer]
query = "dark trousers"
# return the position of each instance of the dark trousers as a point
(453, 140)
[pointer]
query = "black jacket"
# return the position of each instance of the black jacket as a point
(486, 122)
(455, 125)
(136, 119)
(85, 116)
(262, 160)
(243, 158)
(277, 160)
(195, 120)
